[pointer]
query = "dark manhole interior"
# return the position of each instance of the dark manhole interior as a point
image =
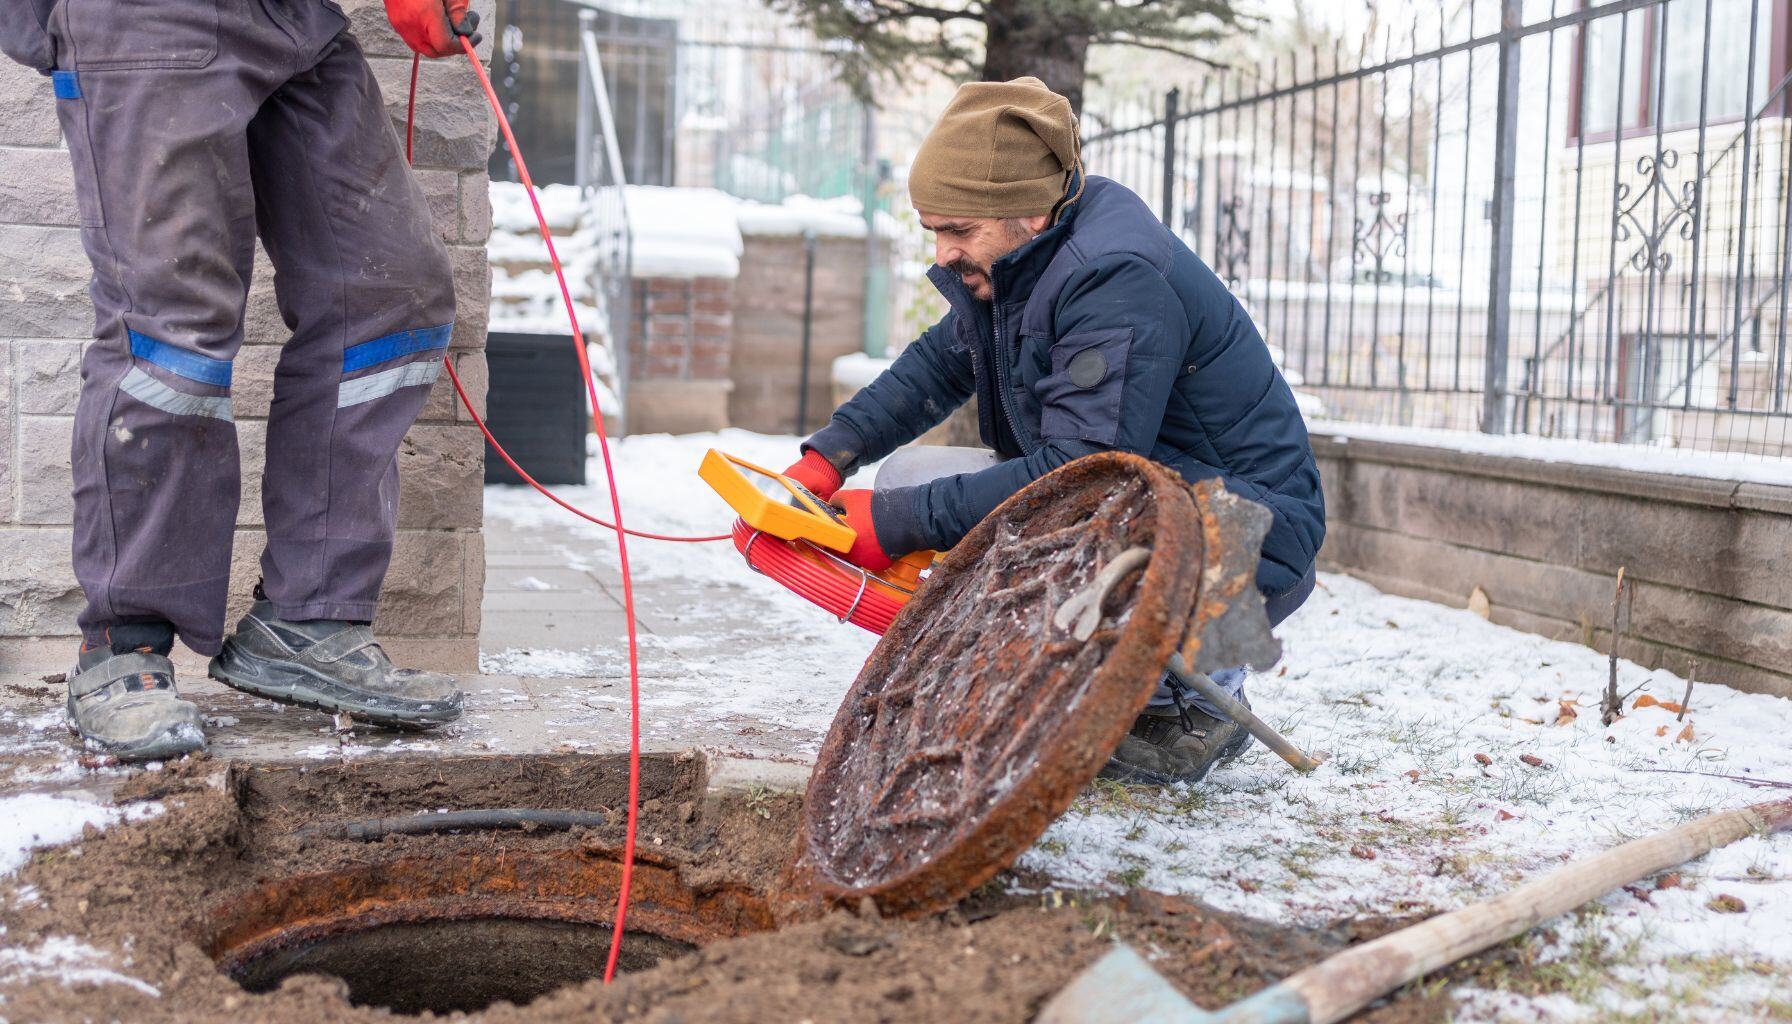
(465, 965)
(457, 919)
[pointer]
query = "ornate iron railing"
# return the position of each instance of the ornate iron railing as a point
(1519, 217)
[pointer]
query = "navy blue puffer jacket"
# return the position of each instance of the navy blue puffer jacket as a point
(1106, 332)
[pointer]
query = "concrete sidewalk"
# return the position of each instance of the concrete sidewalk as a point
(546, 609)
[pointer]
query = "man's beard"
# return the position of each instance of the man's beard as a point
(1017, 236)
(965, 268)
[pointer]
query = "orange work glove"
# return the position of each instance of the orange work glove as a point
(815, 473)
(433, 27)
(866, 552)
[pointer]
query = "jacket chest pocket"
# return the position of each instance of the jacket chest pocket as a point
(119, 34)
(1081, 396)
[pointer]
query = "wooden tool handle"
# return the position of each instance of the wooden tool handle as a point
(1343, 984)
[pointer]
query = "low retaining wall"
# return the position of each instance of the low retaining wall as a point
(1711, 559)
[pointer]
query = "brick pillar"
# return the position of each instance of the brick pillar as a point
(679, 354)
(429, 609)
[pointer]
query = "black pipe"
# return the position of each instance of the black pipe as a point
(370, 829)
(802, 388)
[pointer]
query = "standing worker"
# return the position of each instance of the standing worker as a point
(1081, 324)
(194, 126)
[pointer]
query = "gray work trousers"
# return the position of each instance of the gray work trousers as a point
(920, 464)
(195, 126)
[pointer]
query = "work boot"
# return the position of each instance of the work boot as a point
(122, 701)
(1175, 743)
(331, 665)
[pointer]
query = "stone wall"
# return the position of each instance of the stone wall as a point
(430, 607)
(768, 328)
(1711, 559)
(679, 354)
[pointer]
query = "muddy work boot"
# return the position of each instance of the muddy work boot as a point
(1175, 743)
(122, 701)
(330, 666)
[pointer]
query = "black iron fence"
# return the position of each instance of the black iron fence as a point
(1518, 217)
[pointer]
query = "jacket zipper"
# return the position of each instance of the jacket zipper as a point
(1001, 362)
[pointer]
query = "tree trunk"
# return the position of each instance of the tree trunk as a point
(1027, 37)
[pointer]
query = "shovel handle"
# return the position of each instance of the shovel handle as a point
(1236, 711)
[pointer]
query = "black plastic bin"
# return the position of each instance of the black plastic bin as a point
(535, 408)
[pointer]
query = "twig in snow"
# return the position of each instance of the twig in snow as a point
(1744, 779)
(1686, 701)
(1612, 705)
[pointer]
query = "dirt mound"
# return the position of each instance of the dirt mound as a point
(227, 891)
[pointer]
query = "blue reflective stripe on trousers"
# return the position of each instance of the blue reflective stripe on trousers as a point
(190, 365)
(402, 343)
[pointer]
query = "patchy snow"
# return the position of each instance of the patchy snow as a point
(1403, 695)
(1402, 818)
(32, 820)
(1732, 466)
(856, 369)
(29, 821)
(67, 960)
(683, 232)
(561, 206)
(839, 217)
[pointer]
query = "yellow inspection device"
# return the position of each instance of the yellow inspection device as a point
(763, 500)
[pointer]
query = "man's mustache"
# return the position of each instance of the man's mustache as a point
(965, 268)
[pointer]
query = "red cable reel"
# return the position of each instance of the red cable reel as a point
(869, 600)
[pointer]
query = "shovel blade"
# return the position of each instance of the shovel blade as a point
(1120, 988)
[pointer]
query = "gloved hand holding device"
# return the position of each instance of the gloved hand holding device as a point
(866, 552)
(816, 474)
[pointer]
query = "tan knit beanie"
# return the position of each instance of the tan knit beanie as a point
(1001, 149)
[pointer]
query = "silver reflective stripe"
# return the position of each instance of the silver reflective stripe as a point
(383, 383)
(150, 391)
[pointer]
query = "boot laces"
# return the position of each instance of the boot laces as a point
(1184, 717)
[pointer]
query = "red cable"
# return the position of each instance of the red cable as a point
(410, 107)
(603, 441)
(454, 378)
(850, 597)
(410, 121)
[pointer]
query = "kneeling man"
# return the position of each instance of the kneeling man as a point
(1081, 324)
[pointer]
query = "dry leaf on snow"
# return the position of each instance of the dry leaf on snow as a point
(1724, 903)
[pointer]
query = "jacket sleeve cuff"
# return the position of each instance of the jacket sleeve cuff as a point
(840, 444)
(896, 518)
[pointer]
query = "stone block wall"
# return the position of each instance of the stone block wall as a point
(1710, 559)
(679, 354)
(430, 606)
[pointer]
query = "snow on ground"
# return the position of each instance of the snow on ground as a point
(69, 960)
(771, 655)
(1403, 818)
(31, 820)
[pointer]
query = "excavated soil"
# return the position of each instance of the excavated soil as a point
(173, 897)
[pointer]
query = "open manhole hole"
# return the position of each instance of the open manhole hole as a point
(442, 919)
(464, 965)
(461, 931)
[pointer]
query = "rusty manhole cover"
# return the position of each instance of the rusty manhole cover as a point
(976, 721)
